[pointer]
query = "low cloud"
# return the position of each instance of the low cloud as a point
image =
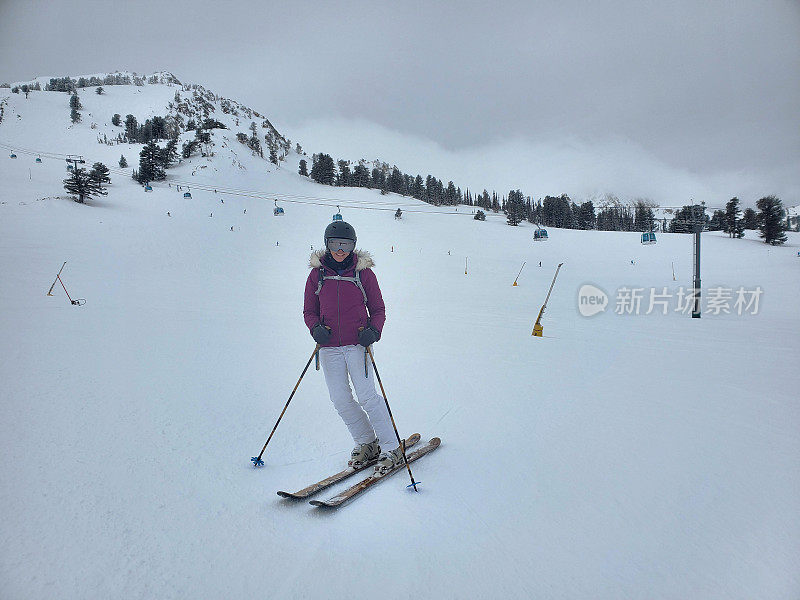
(582, 168)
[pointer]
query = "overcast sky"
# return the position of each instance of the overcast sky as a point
(667, 100)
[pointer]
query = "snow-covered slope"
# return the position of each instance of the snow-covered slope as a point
(620, 456)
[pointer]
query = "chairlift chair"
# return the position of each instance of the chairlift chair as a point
(187, 195)
(338, 215)
(277, 211)
(540, 235)
(13, 155)
(148, 188)
(39, 159)
(649, 238)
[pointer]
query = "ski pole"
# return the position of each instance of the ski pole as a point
(256, 460)
(400, 442)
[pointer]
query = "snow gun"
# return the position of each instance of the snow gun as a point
(76, 301)
(537, 327)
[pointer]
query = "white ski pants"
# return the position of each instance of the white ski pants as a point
(368, 418)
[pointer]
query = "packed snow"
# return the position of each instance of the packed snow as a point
(619, 456)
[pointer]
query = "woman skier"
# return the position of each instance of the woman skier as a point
(344, 311)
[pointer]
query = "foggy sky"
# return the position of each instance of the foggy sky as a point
(668, 100)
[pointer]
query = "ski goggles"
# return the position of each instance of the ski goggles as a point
(342, 244)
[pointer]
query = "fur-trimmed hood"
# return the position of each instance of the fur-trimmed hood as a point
(364, 259)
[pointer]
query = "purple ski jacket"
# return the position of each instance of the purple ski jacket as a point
(340, 304)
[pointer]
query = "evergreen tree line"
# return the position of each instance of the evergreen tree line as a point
(67, 84)
(552, 211)
(324, 170)
(157, 128)
(771, 220)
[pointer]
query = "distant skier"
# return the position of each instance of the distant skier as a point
(344, 311)
(540, 263)
(169, 215)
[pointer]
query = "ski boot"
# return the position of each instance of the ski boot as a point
(363, 453)
(389, 460)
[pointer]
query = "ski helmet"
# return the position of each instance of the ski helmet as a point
(339, 229)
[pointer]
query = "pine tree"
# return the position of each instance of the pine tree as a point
(80, 184)
(643, 216)
(323, 170)
(395, 183)
(771, 220)
(131, 128)
(717, 222)
(480, 216)
(150, 164)
(451, 195)
(26, 90)
(750, 218)
(378, 179)
(734, 224)
(189, 148)
(122, 162)
(343, 177)
(303, 168)
(99, 91)
(360, 176)
(515, 207)
(169, 154)
(586, 217)
(116, 120)
(418, 188)
(99, 173)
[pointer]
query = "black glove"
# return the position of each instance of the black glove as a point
(321, 333)
(368, 336)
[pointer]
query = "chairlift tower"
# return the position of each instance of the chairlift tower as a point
(76, 160)
(698, 220)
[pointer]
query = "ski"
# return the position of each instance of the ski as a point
(367, 483)
(340, 476)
